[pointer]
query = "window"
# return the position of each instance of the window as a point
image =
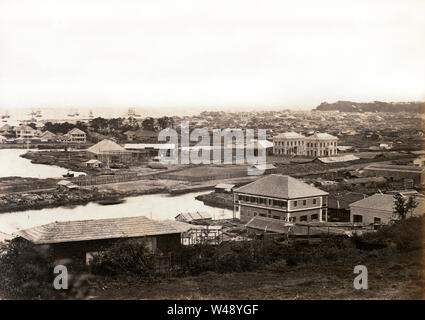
(303, 218)
(304, 202)
(295, 203)
(376, 220)
(314, 217)
(314, 201)
(276, 217)
(357, 218)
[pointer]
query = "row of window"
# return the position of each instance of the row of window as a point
(273, 202)
(313, 217)
(358, 218)
(321, 144)
(309, 144)
(263, 201)
(289, 143)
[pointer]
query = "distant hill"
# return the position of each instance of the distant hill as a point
(348, 106)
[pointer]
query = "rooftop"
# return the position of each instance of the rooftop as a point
(76, 131)
(394, 167)
(383, 202)
(289, 135)
(190, 216)
(321, 136)
(280, 186)
(106, 146)
(83, 230)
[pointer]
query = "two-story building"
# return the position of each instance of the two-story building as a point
(289, 143)
(315, 145)
(25, 132)
(280, 197)
(321, 144)
(74, 136)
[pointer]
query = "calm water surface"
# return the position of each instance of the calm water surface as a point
(12, 165)
(155, 206)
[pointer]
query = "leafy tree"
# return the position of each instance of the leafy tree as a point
(411, 205)
(400, 206)
(165, 122)
(148, 124)
(32, 125)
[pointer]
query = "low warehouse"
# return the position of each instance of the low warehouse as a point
(81, 239)
(378, 209)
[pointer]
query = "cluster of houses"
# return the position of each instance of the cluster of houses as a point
(27, 134)
(271, 204)
(283, 198)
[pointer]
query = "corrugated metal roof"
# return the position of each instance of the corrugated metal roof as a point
(189, 216)
(280, 186)
(268, 224)
(82, 230)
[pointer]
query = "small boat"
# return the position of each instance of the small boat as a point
(108, 202)
(68, 175)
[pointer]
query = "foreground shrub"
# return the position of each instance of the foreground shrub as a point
(26, 272)
(405, 235)
(124, 257)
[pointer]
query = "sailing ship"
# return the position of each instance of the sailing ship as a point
(38, 113)
(132, 113)
(91, 114)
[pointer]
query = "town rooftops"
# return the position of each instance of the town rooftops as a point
(105, 146)
(280, 186)
(289, 135)
(83, 230)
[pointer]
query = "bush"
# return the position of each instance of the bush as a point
(26, 272)
(405, 235)
(124, 257)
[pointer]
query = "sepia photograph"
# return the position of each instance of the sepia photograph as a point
(212, 155)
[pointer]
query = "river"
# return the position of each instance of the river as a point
(155, 206)
(12, 165)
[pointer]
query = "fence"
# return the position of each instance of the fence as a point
(105, 179)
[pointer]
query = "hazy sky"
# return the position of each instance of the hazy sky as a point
(197, 53)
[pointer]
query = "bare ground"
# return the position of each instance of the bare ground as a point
(397, 277)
